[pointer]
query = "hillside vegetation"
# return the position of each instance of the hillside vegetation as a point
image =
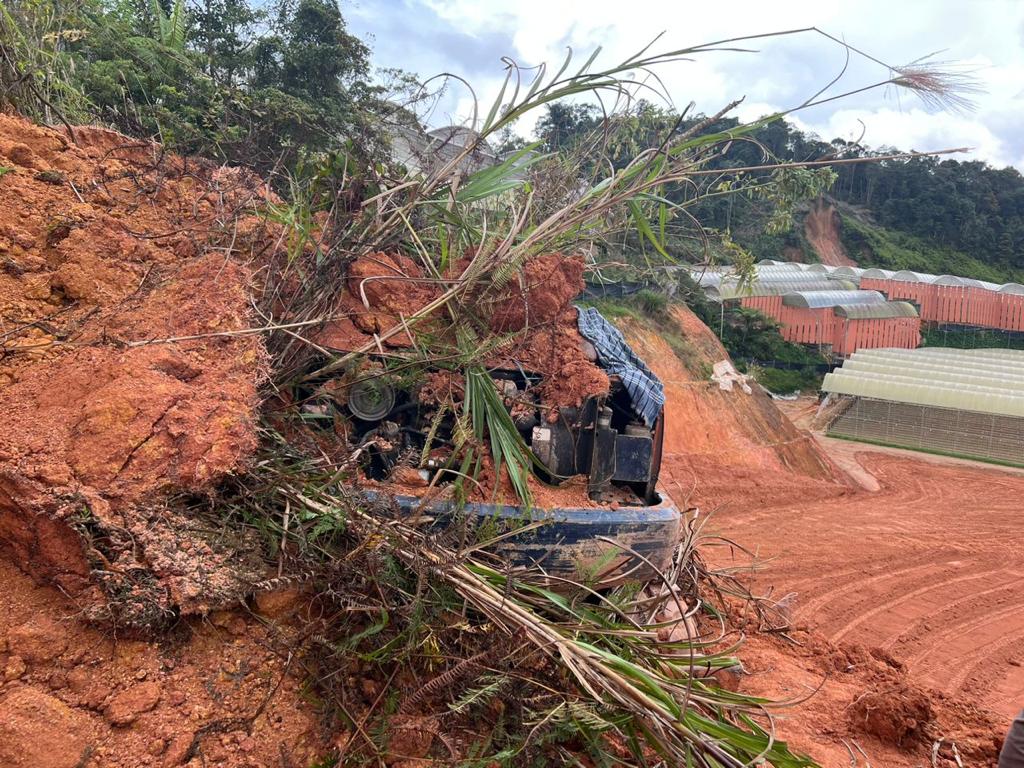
(871, 245)
(921, 213)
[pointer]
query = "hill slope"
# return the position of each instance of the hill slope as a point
(717, 440)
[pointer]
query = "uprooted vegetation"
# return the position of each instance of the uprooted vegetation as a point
(177, 342)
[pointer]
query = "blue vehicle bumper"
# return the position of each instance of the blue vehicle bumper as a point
(599, 546)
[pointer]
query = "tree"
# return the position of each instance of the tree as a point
(562, 125)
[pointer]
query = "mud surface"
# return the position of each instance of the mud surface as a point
(925, 571)
(221, 691)
(821, 228)
(104, 247)
(898, 573)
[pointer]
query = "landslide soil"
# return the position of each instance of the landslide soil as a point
(106, 246)
(821, 228)
(898, 573)
(901, 599)
(222, 691)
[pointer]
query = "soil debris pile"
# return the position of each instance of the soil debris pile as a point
(896, 713)
(533, 311)
(104, 246)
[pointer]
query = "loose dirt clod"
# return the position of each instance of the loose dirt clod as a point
(535, 311)
(896, 713)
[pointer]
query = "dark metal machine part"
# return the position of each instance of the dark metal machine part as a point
(603, 439)
(587, 441)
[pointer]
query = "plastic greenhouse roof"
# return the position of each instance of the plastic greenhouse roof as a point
(896, 377)
(732, 290)
(907, 276)
(848, 271)
(821, 299)
(927, 373)
(772, 271)
(989, 361)
(876, 311)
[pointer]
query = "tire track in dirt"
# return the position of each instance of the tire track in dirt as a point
(857, 585)
(915, 633)
(863, 616)
(926, 568)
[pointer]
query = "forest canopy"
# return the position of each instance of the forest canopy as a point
(265, 84)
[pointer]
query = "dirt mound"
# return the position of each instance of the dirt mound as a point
(104, 247)
(217, 692)
(853, 700)
(895, 713)
(534, 309)
(821, 228)
(732, 442)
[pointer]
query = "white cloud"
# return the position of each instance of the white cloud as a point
(914, 129)
(784, 71)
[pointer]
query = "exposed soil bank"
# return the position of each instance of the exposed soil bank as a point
(102, 246)
(727, 444)
(821, 228)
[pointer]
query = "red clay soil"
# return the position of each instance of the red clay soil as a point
(821, 228)
(534, 308)
(924, 571)
(216, 692)
(104, 245)
(717, 441)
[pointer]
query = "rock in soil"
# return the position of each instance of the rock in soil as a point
(39, 731)
(125, 707)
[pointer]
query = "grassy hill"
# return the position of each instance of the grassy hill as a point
(871, 245)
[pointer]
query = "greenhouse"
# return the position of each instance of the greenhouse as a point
(733, 289)
(831, 298)
(960, 402)
(873, 310)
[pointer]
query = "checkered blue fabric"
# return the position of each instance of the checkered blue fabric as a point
(615, 356)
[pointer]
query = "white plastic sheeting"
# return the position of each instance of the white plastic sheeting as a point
(874, 311)
(769, 270)
(731, 289)
(822, 299)
(890, 378)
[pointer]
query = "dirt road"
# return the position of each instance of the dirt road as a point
(922, 562)
(928, 568)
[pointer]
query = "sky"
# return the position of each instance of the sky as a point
(983, 38)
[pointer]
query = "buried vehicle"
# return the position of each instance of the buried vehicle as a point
(590, 430)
